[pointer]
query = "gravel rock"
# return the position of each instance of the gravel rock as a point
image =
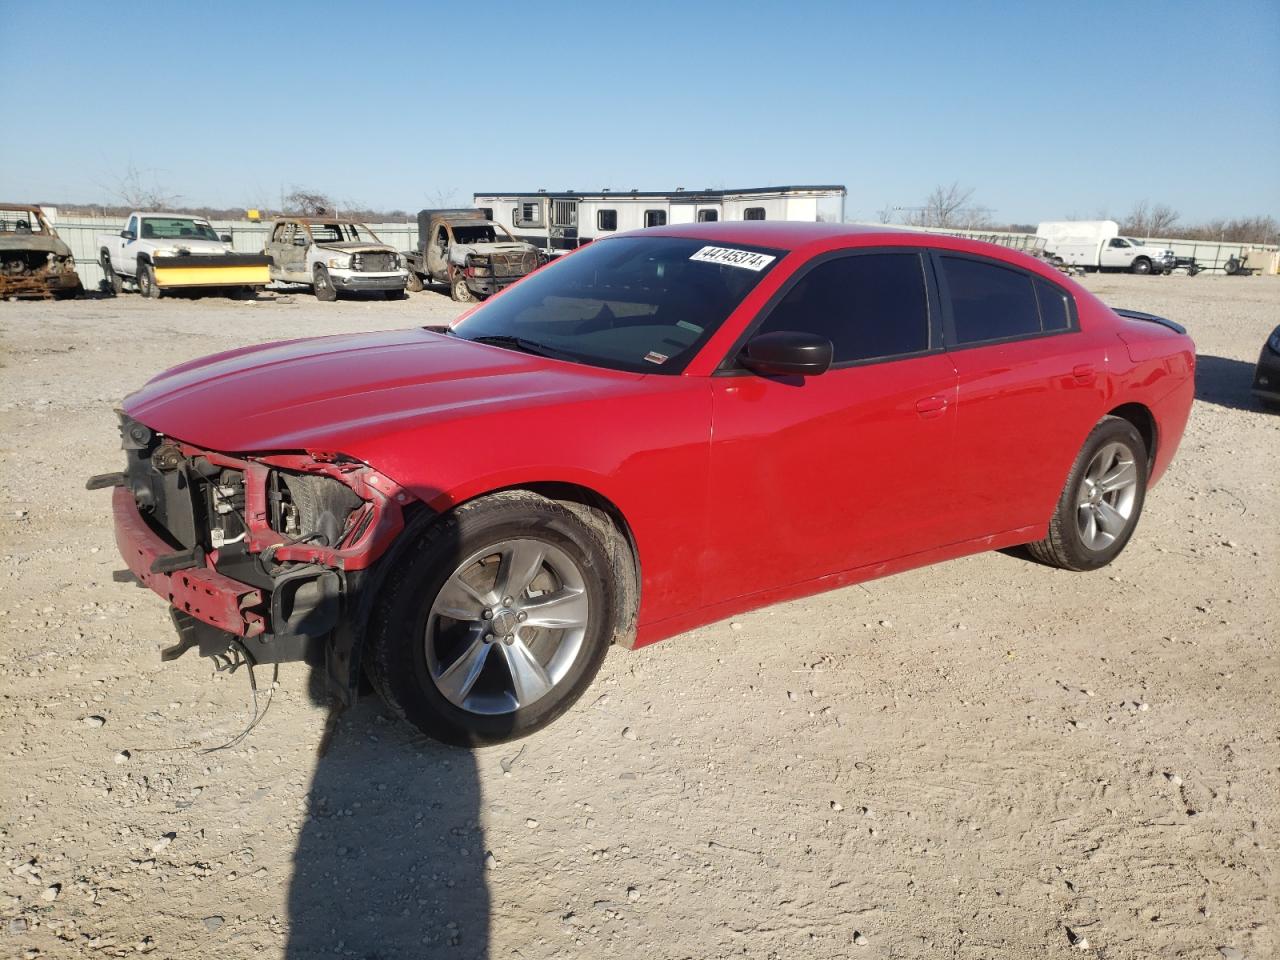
(214, 923)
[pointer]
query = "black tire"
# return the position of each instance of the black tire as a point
(1141, 266)
(323, 285)
(1231, 267)
(147, 281)
(113, 284)
(458, 289)
(414, 283)
(1065, 546)
(396, 652)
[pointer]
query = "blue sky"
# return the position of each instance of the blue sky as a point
(1045, 109)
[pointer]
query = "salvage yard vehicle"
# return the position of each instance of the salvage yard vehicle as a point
(473, 255)
(176, 251)
(657, 431)
(1097, 245)
(1266, 375)
(334, 255)
(34, 261)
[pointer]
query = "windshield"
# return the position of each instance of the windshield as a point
(643, 304)
(481, 233)
(342, 233)
(176, 228)
(20, 221)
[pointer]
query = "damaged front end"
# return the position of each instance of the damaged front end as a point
(263, 558)
(34, 261)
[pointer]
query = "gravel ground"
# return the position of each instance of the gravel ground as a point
(986, 758)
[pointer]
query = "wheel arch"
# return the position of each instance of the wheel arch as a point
(604, 516)
(1144, 422)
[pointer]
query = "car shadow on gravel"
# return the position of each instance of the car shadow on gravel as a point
(1227, 383)
(390, 859)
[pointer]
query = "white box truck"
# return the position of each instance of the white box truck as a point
(1097, 245)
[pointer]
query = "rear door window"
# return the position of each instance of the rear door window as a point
(1055, 306)
(870, 306)
(988, 301)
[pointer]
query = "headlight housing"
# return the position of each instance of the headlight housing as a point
(1273, 341)
(339, 263)
(477, 265)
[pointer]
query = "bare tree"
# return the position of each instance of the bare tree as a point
(1145, 220)
(443, 198)
(308, 203)
(885, 214)
(950, 206)
(143, 193)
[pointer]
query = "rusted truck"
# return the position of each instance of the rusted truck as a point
(34, 261)
(473, 255)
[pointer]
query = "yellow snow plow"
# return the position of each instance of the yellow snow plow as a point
(213, 270)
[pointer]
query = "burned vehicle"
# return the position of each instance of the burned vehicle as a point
(334, 255)
(474, 256)
(34, 261)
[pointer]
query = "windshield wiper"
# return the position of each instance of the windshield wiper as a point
(516, 343)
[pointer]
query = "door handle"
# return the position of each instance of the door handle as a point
(931, 407)
(1083, 372)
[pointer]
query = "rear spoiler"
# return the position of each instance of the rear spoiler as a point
(1150, 318)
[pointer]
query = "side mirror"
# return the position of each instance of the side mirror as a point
(787, 353)
(299, 241)
(225, 238)
(127, 235)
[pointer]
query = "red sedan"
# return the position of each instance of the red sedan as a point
(658, 431)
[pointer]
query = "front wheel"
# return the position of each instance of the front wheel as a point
(115, 286)
(413, 283)
(323, 286)
(1141, 265)
(459, 291)
(1100, 505)
(495, 621)
(147, 281)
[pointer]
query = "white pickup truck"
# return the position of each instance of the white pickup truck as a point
(162, 251)
(1097, 245)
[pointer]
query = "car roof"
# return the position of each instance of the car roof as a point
(173, 216)
(319, 220)
(794, 236)
(782, 234)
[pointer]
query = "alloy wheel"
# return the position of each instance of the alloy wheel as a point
(506, 626)
(1108, 492)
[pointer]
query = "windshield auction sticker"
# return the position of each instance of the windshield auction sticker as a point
(746, 259)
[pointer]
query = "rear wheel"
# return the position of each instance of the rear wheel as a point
(1100, 505)
(323, 286)
(459, 290)
(495, 622)
(147, 281)
(114, 285)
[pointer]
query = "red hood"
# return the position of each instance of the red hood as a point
(342, 393)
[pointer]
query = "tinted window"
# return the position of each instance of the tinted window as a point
(655, 218)
(708, 216)
(607, 219)
(644, 303)
(989, 302)
(868, 306)
(753, 213)
(1055, 309)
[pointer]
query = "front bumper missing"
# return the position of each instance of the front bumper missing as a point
(302, 593)
(200, 592)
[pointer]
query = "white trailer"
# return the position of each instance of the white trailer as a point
(556, 222)
(1097, 245)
